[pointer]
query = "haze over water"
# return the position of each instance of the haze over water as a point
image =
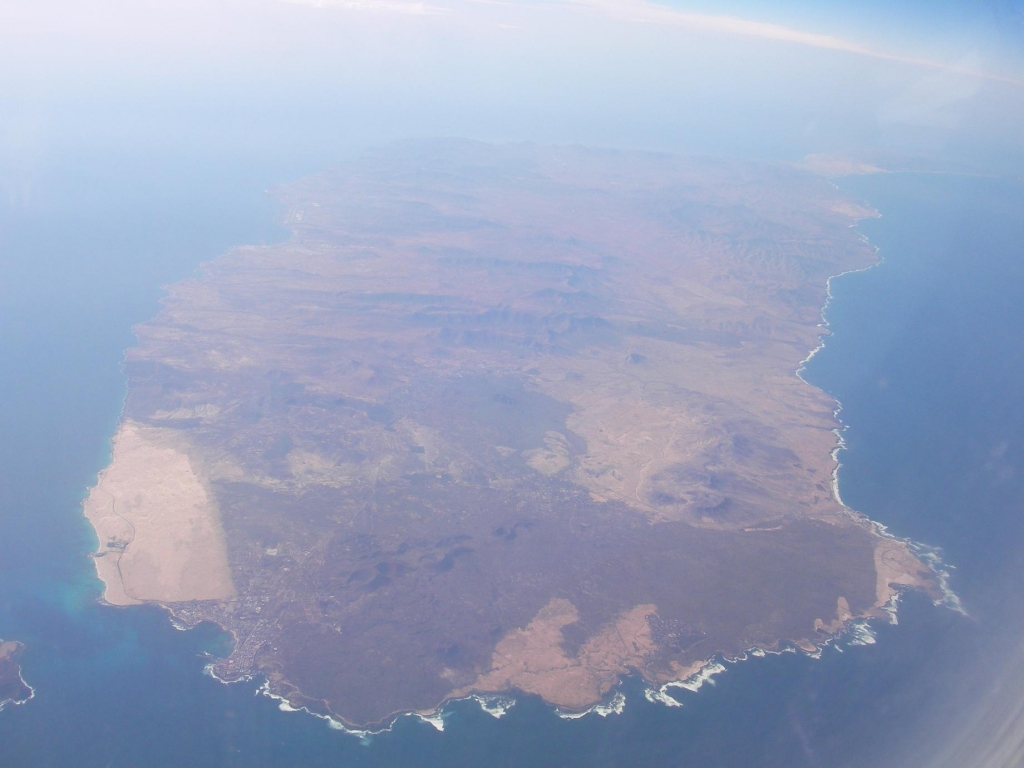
(924, 358)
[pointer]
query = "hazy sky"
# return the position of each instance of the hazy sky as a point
(99, 95)
(943, 81)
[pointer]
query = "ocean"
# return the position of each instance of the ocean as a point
(925, 357)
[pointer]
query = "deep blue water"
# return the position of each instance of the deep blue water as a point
(925, 357)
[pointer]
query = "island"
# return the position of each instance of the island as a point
(500, 419)
(13, 688)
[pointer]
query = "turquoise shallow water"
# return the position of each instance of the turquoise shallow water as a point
(925, 358)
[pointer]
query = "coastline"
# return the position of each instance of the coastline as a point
(855, 627)
(106, 563)
(10, 651)
(931, 556)
(853, 631)
(157, 524)
(107, 461)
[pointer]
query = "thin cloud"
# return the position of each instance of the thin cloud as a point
(376, 6)
(642, 11)
(646, 12)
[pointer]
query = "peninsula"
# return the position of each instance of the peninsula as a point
(499, 418)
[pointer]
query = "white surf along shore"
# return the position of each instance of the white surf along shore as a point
(150, 446)
(929, 555)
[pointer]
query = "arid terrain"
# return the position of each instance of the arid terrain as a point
(499, 418)
(12, 686)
